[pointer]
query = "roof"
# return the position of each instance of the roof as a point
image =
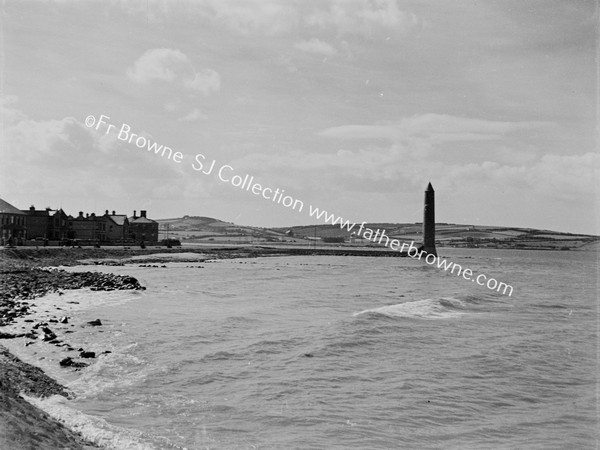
(119, 219)
(37, 212)
(7, 208)
(142, 220)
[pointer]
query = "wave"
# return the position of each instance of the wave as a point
(93, 429)
(437, 308)
(117, 370)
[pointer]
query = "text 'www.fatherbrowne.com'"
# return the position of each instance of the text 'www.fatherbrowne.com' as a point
(227, 174)
(380, 237)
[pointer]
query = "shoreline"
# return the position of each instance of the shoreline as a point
(22, 425)
(27, 275)
(68, 256)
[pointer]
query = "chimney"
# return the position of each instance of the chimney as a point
(81, 214)
(106, 212)
(143, 213)
(134, 214)
(32, 208)
(113, 213)
(87, 215)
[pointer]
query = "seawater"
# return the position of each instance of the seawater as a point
(326, 352)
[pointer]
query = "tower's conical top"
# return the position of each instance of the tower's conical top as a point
(430, 187)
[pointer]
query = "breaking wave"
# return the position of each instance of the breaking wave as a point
(437, 308)
(93, 429)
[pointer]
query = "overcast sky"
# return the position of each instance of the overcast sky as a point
(352, 106)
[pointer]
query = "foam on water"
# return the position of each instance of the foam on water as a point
(119, 369)
(442, 308)
(93, 429)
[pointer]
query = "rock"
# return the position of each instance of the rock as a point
(87, 354)
(9, 335)
(95, 323)
(69, 362)
(48, 334)
(64, 319)
(66, 362)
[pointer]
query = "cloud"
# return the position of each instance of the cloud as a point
(362, 17)
(206, 82)
(446, 127)
(316, 46)
(567, 177)
(432, 127)
(362, 132)
(193, 115)
(172, 65)
(172, 106)
(9, 115)
(64, 159)
(275, 17)
(268, 17)
(158, 64)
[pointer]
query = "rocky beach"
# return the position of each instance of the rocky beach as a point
(22, 281)
(28, 274)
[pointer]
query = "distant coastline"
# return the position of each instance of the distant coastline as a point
(210, 231)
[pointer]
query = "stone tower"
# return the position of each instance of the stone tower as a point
(429, 221)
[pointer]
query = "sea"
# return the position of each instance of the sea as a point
(335, 352)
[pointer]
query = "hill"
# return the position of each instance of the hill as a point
(203, 229)
(198, 229)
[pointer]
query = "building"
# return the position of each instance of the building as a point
(55, 225)
(84, 227)
(117, 227)
(60, 226)
(37, 223)
(142, 229)
(12, 224)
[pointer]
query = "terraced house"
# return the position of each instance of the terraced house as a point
(23, 226)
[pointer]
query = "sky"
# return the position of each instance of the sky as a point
(351, 106)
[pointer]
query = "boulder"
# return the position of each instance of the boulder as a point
(69, 362)
(47, 334)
